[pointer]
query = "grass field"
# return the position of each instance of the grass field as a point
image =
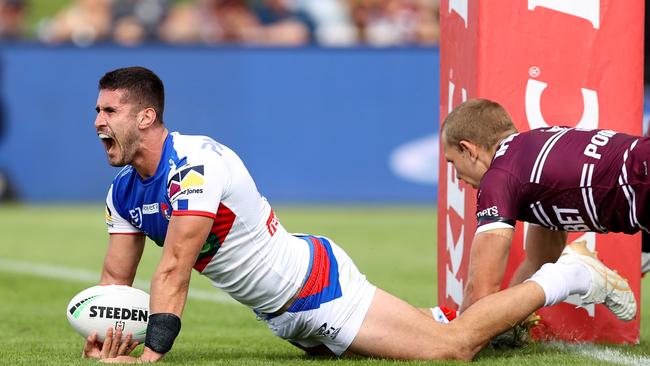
(394, 246)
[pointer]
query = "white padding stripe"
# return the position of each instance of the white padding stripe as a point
(492, 226)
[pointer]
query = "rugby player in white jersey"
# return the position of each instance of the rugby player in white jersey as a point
(194, 197)
(557, 179)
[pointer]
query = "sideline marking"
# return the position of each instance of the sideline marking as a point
(602, 354)
(85, 276)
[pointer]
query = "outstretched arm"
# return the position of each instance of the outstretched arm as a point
(487, 264)
(185, 238)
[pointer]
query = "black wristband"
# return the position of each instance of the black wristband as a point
(162, 329)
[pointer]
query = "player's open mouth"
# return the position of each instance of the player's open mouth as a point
(106, 140)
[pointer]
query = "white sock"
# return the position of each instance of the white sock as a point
(559, 280)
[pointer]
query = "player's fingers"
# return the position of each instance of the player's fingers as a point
(108, 340)
(115, 346)
(132, 347)
(90, 345)
(124, 346)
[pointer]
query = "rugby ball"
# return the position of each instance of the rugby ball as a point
(110, 306)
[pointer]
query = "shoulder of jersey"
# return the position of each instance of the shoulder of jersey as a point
(190, 146)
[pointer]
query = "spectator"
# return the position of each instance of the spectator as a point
(257, 22)
(262, 22)
(137, 21)
(210, 21)
(181, 25)
(83, 22)
(12, 19)
(332, 22)
(280, 24)
(396, 22)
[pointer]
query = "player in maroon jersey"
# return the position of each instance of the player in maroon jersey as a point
(558, 179)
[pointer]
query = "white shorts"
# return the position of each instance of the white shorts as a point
(333, 316)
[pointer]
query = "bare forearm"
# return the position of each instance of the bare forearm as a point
(169, 287)
(185, 238)
(169, 291)
(488, 259)
(122, 258)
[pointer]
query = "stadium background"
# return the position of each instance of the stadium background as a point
(313, 125)
(342, 139)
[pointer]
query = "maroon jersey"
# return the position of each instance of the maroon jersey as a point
(567, 179)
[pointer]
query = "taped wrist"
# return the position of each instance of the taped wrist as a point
(162, 329)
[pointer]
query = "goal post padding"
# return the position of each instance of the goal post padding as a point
(548, 62)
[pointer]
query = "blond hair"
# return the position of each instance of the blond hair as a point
(480, 121)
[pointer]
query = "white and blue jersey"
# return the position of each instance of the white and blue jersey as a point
(248, 253)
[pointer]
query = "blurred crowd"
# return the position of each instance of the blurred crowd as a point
(250, 22)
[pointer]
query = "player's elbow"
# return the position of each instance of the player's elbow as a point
(464, 345)
(170, 274)
(465, 339)
(111, 277)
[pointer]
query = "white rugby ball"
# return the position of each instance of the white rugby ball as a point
(110, 306)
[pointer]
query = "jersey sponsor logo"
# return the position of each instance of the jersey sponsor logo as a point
(210, 144)
(326, 331)
(165, 211)
(149, 209)
(188, 180)
(570, 219)
(108, 216)
(136, 217)
(209, 249)
(490, 211)
(272, 223)
(600, 139)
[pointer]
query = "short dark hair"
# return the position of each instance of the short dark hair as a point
(142, 86)
(480, 121)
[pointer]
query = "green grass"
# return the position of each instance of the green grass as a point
(394, 246)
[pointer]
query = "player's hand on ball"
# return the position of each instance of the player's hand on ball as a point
(112, 347)
(518, 336)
